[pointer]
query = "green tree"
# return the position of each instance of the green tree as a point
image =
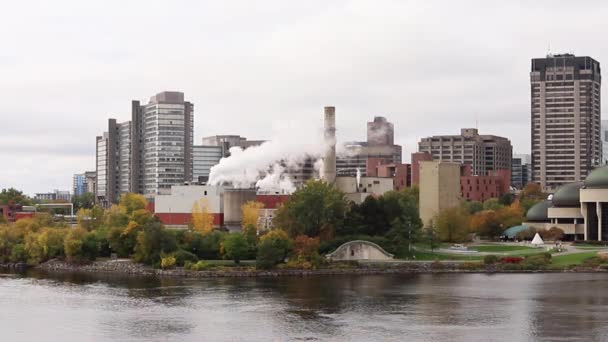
(236, 247)
(153, 241)
(506, 199)
(90, 219)
(317, 209)
(429, 236)
(14, 196)
(492, 204)
(375, 216)
(273, 248)
(84, 201)
(452, 225)
(473, 207)
(73, 243)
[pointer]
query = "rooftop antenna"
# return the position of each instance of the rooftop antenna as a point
(549, 50)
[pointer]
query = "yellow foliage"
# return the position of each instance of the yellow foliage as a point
(131, 202)
(277, 234)
(131, 228)
(250, 213)
(202, 220)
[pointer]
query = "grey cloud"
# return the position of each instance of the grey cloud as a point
(430, 67)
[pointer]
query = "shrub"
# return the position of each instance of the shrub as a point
(511, 267)
(236, 247)
(188, 265)
(200, 266)
(490, 259)
(272, 249)
(182, 256)
(18, 253)
(470, 266)
(306, 252)
(118, 244)
(593, 262)
(167, 262)
(152, 242)
(535, 262)
(74, 245)
(511, 260)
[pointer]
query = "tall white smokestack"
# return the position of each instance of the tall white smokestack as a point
(329, 162)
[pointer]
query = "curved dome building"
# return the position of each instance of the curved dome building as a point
(562, 210)
(539, 212)
(579, 209)
(594, 204)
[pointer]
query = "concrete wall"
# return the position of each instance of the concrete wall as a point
(359, 250)
(372, 185)
(233, 200)
(574, 212)
(182, 199)
(439, 188)
(594, 195)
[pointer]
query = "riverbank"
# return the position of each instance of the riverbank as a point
(127, 267)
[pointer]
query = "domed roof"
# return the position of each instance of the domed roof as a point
(568, 195)
(539, 212)
(598, 178)
(512, 232)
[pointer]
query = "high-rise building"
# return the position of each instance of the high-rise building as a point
(203, 159)
(166, 127)
(380, 132)
(148, 154)
(604, 128)
(79, 184)
(379, 146)
(105, 165)
(484, 153)
(91, 181)
(520, 170)
(565, 115)
(228, 141)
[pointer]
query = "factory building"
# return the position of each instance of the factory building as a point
(175, 209)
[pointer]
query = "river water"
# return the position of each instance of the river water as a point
(423, 307)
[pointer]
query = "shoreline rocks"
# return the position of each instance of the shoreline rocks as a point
(128, 267)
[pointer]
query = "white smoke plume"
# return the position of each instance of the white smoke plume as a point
(288, 147)
(276, 181)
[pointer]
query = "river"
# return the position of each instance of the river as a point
(421, 307)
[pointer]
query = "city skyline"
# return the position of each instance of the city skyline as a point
(419, 65)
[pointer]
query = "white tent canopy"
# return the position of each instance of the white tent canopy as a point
(537, 241)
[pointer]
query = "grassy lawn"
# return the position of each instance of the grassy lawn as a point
(597, 248)
(584, 246)
(501, 248)
(572, 259)
(443, 256)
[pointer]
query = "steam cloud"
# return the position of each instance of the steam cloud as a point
(265, 166)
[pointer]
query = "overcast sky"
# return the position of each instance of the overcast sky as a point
(430, 67)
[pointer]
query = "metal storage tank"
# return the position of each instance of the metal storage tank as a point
(233, 200)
